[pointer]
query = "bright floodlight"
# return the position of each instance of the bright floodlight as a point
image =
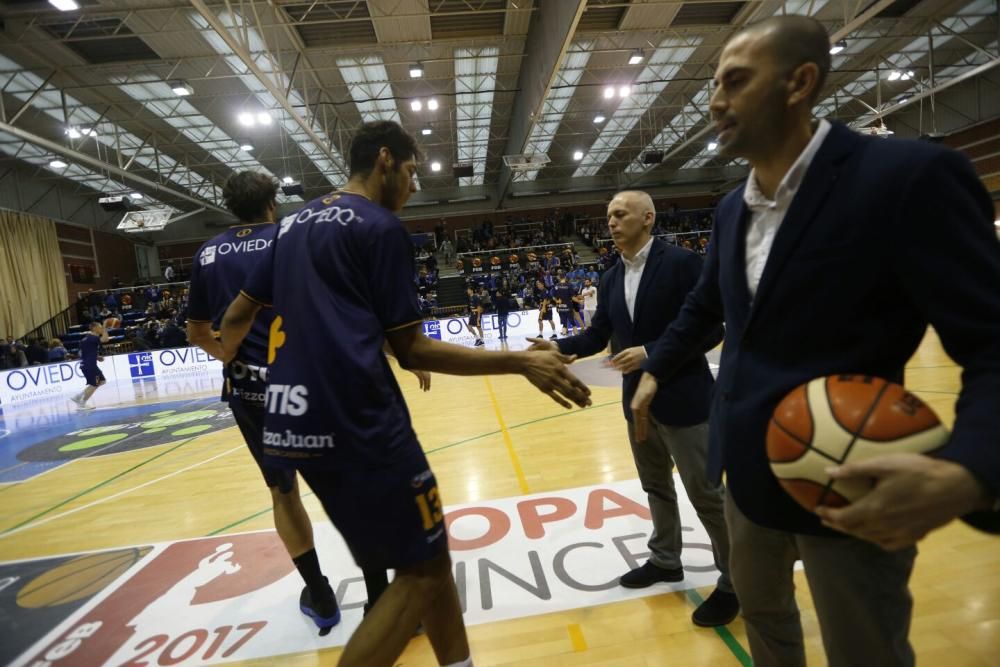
(577, 155)
(264, 118)
(895, 75)
(246, 148)
(599, 118)
(609, 92)
(58, 164)
(245, 118)
(135, 195)
(435, 166)
(73, 133)
(635, 58)
(838, 47)
(288, 180)
(416, 71)
(426, 131)
(712, 145)
(64, 5)
(416, 105)
(624, 91)
(181, 89)
(432, 104)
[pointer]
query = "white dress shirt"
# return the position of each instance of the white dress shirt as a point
(633, 274)
(767, 215)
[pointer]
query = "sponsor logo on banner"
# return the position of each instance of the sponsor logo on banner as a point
(235, 597)
(36, 383)
(453, 329)
(140, 365)
(432, 329)
(33, 382)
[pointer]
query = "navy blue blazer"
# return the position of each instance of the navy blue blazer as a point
(670, 273)
(884, 237)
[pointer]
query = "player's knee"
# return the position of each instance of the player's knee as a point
(429, 576)
(285, 490)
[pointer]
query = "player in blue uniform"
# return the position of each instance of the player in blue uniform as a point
(563, 294)
(340, 282)
(89, 356)
(475, 324)
(219, 270)
(544, 299)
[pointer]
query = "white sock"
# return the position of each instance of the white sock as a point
(464, 663)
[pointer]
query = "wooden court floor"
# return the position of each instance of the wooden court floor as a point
(486, 439)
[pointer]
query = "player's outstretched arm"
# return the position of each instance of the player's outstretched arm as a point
(236, 325)
(546, 370)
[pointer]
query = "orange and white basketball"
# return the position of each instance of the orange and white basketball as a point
(832, 420)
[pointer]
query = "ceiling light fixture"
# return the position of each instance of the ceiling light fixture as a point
(287, 180)
(636, 57)
(58, 164)
(181, 88)
(895, 75)
(426, 131)
(246, 148)
(73, 133)
(416, 105)
(432, 104)
(624, 91)
(135, 195)
(64, 5)
(435, 166)
(609, 92)
(264, 118)
(577, 155)
(245, 118)
(599, 118)
(712, 145)
(416, 71)
(838, 47)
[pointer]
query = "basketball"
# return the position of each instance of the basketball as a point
(832, 420)
(78, 578)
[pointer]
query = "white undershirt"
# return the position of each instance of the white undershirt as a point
(767, 215)
(633, 274)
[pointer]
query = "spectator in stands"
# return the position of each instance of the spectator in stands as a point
(172, 335)
(168, 273)
(111, 301)
(137, 338)
(56, 352)
(37, 352)
(447, 251)
(116, 282)
(14, 352)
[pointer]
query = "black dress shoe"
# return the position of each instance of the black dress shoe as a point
(649, 574)
(719, 609)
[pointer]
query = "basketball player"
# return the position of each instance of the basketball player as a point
(89, 356)
(340, 278)
(215, 280)
(474, 323)
(565, 306)
(543, 297)
(826, 214)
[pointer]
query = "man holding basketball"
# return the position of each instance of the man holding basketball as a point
(805, 293)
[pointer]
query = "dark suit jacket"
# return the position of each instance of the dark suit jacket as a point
(884, 237)
(670, 273)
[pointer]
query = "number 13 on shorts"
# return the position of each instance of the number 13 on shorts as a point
(430, 507)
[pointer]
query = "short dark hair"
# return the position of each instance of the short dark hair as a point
(248, 194)
(372, 137)
(794, 40)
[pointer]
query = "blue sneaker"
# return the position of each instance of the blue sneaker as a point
(324, 612)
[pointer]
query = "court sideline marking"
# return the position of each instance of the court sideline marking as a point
(522, 481)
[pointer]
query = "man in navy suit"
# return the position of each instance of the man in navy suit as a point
(637, 299)
(833, 258)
